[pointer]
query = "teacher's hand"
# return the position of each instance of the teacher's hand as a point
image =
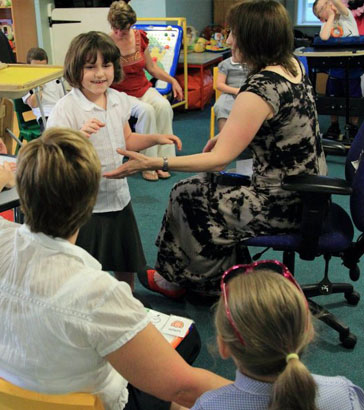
(137, 162)
(177, 90)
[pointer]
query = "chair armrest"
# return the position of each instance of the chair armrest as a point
(333, 147)
(316, 184)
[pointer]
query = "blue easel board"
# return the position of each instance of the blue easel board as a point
(165, 43)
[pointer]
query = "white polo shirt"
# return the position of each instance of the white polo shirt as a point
(52, 92)
(60, 316)
(72, 111)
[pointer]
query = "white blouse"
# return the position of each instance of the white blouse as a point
(60, 316)
(72, 111)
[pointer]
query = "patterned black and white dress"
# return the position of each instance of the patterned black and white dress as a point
(204, 221)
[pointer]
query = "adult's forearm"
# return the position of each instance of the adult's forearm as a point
(160, 74)
(203, 381)
(208, 162)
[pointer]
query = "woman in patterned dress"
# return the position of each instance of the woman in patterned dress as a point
(275, 115)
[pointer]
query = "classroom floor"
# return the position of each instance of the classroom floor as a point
(325, 355)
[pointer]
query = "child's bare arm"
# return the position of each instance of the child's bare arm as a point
(32, 100)
(137, 142)
(341, 8)
(223, 87)
(326, 28)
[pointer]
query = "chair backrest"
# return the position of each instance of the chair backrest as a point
(354, 154)
(354, 172)
(6, 53)
(20, 109)
(16, 398)
(214, 76)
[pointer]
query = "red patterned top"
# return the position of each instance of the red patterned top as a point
(135, 82)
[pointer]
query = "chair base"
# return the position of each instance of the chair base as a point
(347, 339)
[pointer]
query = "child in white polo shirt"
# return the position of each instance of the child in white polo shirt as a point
(50, 92)
(92, 64)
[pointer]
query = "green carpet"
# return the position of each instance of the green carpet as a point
(325, 356)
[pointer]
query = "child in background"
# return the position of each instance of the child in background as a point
(231, 76)
(264, 324)
(92, 64)
(50, 92)
(338, 21)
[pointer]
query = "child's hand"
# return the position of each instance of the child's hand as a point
(331, 11)
(7, 175)
(91, 126)
(210, 144)
(3, 149)
(169, 139)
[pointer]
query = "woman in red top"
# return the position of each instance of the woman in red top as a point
(153, 111)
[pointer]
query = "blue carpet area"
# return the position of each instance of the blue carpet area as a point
(325, 355)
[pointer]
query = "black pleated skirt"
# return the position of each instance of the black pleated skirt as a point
(113, 239)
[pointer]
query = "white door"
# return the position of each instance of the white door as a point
(65, 24)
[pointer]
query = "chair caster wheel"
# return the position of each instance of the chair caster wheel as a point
(352, 298)
(354, 273)
(348, 341)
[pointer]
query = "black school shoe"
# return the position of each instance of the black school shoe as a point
(352, 131)
(333, 132)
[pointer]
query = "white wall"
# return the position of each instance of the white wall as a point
(150, 8)
(197, 12)
(41, 16)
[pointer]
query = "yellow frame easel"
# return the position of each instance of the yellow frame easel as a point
(180, 21)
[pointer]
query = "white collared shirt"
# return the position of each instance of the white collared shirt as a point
(72, 111)
(60, 316)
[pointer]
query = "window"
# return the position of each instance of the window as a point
(305, 15)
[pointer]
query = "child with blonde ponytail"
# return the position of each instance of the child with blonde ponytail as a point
(264, 324)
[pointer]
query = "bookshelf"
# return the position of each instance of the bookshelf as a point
(22, 15)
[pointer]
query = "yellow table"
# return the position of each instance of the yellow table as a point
(17, 79)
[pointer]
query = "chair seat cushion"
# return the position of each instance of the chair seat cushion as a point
(337, 235)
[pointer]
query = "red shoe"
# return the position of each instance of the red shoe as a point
(146, 278)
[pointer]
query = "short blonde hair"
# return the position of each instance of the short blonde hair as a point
(272, 316)
(121, 15)
(57, 179)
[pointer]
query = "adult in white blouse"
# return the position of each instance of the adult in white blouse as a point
(66, 325)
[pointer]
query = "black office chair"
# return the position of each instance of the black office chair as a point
(326, 230)
(6, 53)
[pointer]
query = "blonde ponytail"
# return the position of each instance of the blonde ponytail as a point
(294, 389)
(275, 324)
